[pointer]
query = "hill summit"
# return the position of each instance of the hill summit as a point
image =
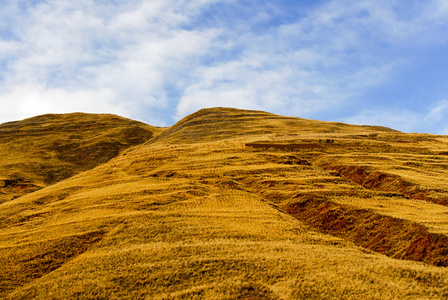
(225, 204)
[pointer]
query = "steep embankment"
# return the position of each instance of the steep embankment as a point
(232, 204)
(43, 150)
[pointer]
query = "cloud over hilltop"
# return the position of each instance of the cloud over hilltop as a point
(377, 62)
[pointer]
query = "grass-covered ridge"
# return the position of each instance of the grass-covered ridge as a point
(43, 150)
(198, 212)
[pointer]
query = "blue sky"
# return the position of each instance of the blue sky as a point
(381, 62)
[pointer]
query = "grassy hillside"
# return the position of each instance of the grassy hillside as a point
(234, 204)
(43, 150)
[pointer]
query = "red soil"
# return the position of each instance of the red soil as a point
(380, 181)
(284, 146)
(387, 235)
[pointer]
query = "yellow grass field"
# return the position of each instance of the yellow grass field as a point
(225, 204)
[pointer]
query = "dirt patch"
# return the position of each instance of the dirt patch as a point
(285, 159)
(18, 184)
(285, 146)
(15, 188)
(393, 237)
(163, 174)
(293, 160)
(374, 180)
(325, 144)
(381, 181)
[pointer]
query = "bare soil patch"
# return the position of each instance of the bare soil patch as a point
(381, 181)
(393, 237)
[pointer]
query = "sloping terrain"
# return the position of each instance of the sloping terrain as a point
(234, 204)
(43, 150)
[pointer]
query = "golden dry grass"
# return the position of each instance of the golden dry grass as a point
(43, 150)
(197, 214)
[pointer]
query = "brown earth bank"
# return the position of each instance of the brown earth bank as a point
(284, 146)
(383, 234)
(381, 181)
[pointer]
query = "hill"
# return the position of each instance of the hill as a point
(235, 204)
(43, 150)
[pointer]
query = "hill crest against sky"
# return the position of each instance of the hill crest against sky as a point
(43, 150)
(358, 62)
(225, 204)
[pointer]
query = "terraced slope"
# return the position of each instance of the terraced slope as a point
(43, 150)
(232, 204)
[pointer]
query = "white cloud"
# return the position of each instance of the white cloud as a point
(135, 57)
(132, 51)
(438, 112)
(431, 120)
(28, 100)
(435, 118)
(395, 118)
(8, 48)
(320, 62)
(301, 68)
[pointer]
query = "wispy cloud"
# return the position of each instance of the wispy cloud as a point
(158, 61)
(326, 62)
(431, 120)
(30, 100)
(306, 67)
(125, 54)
